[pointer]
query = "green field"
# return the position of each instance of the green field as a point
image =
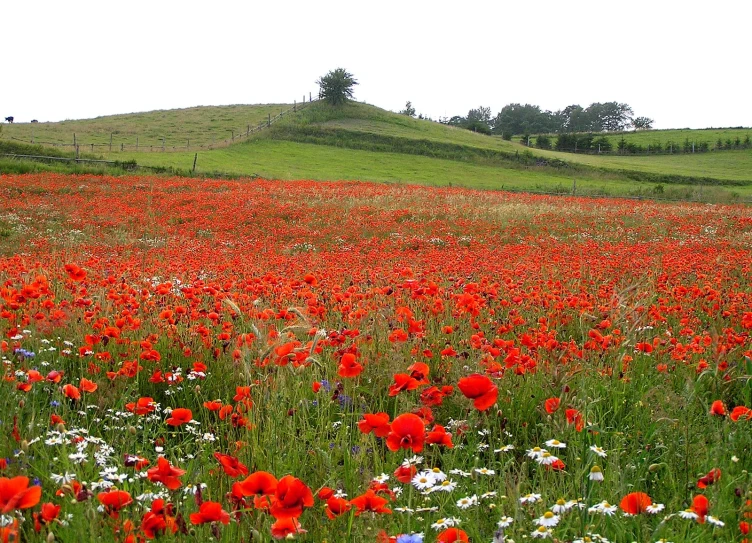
(201, 125)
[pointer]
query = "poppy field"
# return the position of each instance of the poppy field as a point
(200, 360)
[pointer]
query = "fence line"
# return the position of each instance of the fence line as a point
(162, 146)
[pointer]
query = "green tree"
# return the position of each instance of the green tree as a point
(409, 110)
(336, 87)
(642, 123)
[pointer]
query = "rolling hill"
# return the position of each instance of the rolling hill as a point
(360, 141)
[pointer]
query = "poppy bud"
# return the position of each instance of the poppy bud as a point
(192, 532)
(566, 389)
(21, 403)
(50, 537)
(197, 389)
(255, 535)
(654, 467)
(25, 446)
(131, 430)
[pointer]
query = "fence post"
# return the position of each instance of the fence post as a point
(269, 120)
(121, 147)
(136, 143)
(163, 144)
(92, 147)
(247, 129)
(77, 154)
(110, 142)
(294, 106)
(195, 158)
(233, 134)
(187, 145)
(74, 139)
(309, 97)
(574, 187)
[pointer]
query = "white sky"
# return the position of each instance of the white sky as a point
(682, 63)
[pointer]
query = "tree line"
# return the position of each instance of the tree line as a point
(518, 119)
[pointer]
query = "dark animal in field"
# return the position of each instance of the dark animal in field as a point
(9, 119)
(34, 121)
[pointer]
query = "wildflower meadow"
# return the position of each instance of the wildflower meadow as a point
(242, 361)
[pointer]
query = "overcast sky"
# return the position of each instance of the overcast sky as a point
(682, 63)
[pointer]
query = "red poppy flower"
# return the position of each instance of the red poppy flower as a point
(576, 418)
(180, 416)
(439, 436)
(405, 474)
(48, 513)
(480, 389)
(407, 432)
(450, 535)
(285, 527)
(712, 477)
(114, 501)
(166, 474)
(72, 392)
(403, 381)
(88, 386)
(370, 502)
(378, 423)
(635, 503)
(214, 405)
(15, 493)
(232, 466)
(210, 512)
(291, 496)
(259, 482)
(717, 408)
(336, 506)
(700, 506)
(349, 366)
(75, 273)
(432, 397)
(419, 371)
(551, 405)
(740, 412)
(143, 406)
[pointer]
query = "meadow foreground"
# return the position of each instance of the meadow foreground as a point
(249, 360)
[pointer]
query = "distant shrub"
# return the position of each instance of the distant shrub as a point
(543, 142)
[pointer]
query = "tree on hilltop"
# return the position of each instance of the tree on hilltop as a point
(336, 87)
(642, 123)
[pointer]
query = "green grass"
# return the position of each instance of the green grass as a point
(273, 159)
(728, 165)
(202, 125)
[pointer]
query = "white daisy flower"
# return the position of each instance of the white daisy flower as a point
(603, 508)
(688, 514)
(485, 471)
(596, 473)
(444, 486)
(549, 520)
(505, 522)
(437, 474)
(467, 502)
(655, 508)
(460, 472)
(530, 498)
(556, 444)
(546, 459)
(505, 448)
(561, 506)
(535, 452)
(598, 450)
(383, 478)
(541, 533)
(423, 480)
(488, 495)
(715, 521)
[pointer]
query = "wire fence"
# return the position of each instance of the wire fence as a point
(161, 146)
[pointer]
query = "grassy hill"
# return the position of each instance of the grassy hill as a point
(359, 141)
(201, 125)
